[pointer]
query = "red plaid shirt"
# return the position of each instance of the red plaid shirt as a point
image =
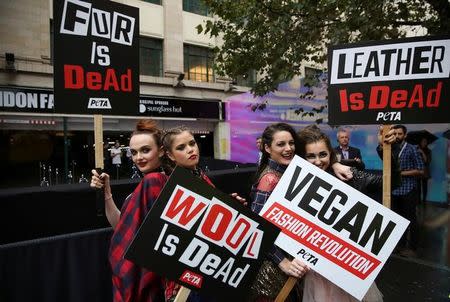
(132, 283)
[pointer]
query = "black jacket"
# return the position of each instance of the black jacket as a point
(369, 183)
(352, 154)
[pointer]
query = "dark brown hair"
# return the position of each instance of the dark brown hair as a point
(167, 142)
(267, 138)
(313, 134)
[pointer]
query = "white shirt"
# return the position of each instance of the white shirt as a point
(116, 160)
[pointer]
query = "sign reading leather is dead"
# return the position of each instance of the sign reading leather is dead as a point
(392, 81)
(96, 61)
(202, 239)
(338, 231)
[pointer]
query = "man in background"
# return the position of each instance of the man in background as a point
(116, 157)
(259, 146)
(346, 154)
(406, 197)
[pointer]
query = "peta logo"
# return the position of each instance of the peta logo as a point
(389, 116)
(192, 278)
(99, 103)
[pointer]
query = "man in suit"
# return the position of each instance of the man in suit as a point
(347, 154)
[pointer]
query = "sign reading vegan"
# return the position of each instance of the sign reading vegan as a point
(202, 238)
(96, 66)
(338, 231)
(393, 81)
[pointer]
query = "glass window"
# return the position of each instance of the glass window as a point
(248, 79)
(196, 7)
(153, 1)
(312, 76)
(198, 63)
(150, 57)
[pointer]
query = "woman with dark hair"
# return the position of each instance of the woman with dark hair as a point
(279, 145)
(316, 148)
(131, 282)
(181, 149)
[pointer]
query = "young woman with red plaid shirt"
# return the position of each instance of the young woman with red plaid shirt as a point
(130, 282)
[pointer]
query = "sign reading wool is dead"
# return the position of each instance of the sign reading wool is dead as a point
(96, 62)
(392, 81)
(338, 231)
(202, 239)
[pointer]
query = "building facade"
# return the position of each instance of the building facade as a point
(175, 69)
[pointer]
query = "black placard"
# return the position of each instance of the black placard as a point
(96, 64)
(403, 81)
(193, 235)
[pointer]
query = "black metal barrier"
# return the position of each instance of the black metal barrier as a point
(69, 268)
(38, 212)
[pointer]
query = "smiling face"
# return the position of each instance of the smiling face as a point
(282, 148)
(318, 154)
(145, 153)
(184, 150)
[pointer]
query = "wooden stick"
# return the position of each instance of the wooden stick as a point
(387, 158)
(284, 292)
(98, 140)
(99, 165)
(182, 294)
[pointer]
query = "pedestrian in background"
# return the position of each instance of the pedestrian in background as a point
(116, 157)
(346, 154)
(425, 152)
(406, 197)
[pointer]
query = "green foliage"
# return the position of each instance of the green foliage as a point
(273, 37)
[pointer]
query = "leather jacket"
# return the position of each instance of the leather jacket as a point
(367, 182)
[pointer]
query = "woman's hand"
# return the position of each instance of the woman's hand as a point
(99, 181)
(342, 172)
(295, 268)
(239, 198)
(388, 137)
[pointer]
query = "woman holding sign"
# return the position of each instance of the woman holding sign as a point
(131, 282)
(182, 150)
(316, 148)
(279, 145)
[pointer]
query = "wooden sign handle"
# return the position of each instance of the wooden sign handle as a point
(182, 295)
(98, 140)
(284, 292)
(387, 158)
(99, 165)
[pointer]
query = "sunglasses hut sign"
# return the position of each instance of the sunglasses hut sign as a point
(202, 238)
(338, 231)
(393, 81)
(96, 58)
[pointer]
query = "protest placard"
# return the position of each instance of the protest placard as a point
(202, 238)
(391, 81)
(339, 232)
(96, 61)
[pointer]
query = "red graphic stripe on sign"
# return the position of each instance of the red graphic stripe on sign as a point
(312, 236)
